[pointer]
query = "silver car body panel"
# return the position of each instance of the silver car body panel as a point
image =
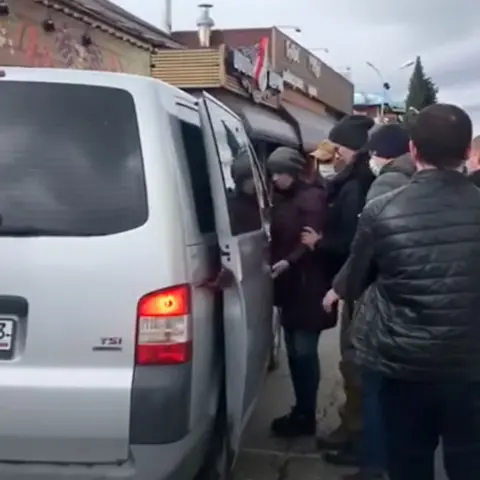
(68, 409)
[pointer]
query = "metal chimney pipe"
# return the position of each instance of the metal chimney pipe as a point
(168, 16)
(205, 24)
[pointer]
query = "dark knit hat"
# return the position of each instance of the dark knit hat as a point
(389, 141)
(286, 160)
(351, 132)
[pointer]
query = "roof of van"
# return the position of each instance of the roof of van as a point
(59, 75)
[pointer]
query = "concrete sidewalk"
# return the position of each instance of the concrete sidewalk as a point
(267, 458)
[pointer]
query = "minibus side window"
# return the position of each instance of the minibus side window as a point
(238, 175)
(193, 142)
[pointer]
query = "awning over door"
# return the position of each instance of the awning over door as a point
(313, 128)
(262, 123)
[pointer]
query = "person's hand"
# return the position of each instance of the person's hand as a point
(310, 237)
(279, 267)
(329, 300)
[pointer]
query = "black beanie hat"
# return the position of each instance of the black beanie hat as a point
(389, 141)
(351, 132)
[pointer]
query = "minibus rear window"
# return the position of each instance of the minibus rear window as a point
(70, 159)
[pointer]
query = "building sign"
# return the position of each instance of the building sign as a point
(250, 65)
(306, 73)
(301, 60)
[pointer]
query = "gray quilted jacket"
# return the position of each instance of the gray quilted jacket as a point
(394, 175)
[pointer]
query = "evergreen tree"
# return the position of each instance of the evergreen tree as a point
(422, 92)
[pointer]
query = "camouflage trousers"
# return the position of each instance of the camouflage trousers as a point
(351, 411)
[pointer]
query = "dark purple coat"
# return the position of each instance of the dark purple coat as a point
(300, 290)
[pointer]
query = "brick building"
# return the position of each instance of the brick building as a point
(87, 34)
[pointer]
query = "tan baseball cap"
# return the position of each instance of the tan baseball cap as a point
(324, 152)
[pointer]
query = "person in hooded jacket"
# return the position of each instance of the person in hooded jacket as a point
(393, 167)
(347, 193)
(299, 282)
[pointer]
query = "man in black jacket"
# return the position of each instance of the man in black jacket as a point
(416, 255)
(394, 168)
(346, 198)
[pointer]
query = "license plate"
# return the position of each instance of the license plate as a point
(6, 335)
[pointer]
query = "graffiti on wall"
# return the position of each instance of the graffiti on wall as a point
(25, 43)
(28, 45)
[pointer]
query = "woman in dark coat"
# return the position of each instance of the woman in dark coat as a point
(299, 283)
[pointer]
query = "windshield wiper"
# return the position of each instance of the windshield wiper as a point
(31, 231)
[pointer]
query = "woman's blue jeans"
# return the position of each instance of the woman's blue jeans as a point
(302, 352)
(374, 451)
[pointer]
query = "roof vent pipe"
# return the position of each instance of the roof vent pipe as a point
(205, 24)
(168, 16)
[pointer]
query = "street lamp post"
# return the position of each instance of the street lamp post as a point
(295, 28)
(385, 84)
(319, 49)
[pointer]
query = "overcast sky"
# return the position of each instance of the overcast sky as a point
(444, 32)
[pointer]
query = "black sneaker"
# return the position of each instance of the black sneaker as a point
(348, 456)
(294, 425)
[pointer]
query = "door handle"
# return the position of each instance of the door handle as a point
(267, 230)
(222, 280)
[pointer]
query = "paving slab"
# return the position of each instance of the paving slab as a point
(266, 458)
(258, 465)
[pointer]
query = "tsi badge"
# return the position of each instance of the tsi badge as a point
(110, 344)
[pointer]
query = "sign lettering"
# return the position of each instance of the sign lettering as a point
(293, 80)
(312, 91)
(292, 51)
(314, 66)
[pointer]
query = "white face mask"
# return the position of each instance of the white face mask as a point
(326, 170)
(375, 165)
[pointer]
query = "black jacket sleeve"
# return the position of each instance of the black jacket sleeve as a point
(340, 280)
(350, 203)
(359, 271)
(311, 207)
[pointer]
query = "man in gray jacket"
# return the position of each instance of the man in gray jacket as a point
(393, 166)
(391, 172)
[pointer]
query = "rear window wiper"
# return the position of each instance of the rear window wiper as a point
(32, 231)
